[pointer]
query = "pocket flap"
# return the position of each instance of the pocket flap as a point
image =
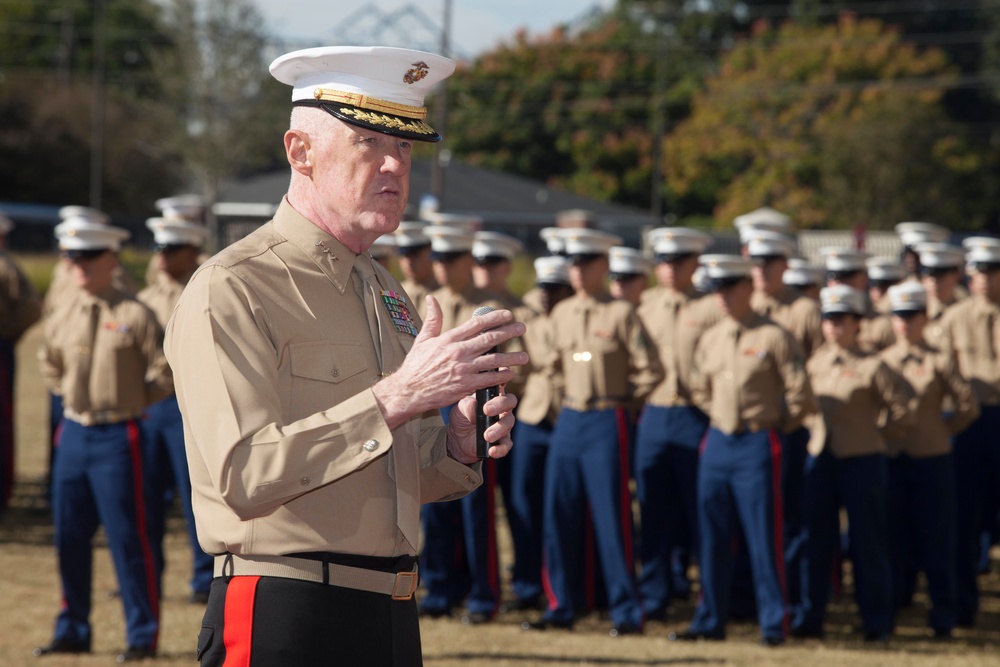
(327, 361)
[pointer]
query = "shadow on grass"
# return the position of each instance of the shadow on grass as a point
(28, 518)
(532, 659)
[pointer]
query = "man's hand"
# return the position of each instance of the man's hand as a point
(443, 368)
(462, 428)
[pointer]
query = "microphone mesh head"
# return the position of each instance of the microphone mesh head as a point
(482, 310)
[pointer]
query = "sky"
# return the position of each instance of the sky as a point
(476, 25)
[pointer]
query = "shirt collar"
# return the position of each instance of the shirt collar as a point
(331, 256)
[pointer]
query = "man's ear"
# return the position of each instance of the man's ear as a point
(297, 148)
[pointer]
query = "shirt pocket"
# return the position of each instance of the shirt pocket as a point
(324, 372)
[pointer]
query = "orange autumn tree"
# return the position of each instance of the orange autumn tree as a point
(837, 125)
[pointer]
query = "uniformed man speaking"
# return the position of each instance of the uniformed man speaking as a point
(309, 397)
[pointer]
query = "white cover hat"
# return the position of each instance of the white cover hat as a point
(84, 214)
(940, 255)
(981, 250)
(842, 299)
(552, 270)
(723, 267)
(912, 233)
(628, 261)
(176, 231)
(674, 241)
(582, 241)
(908, 296)
(767, 243)
(843, 260)
(762, 218)
(380, 88)
(885, 269)
(494, 244)
(82, 235)
(383, 247)
(464, 221)
(446, 239)
(800, 273)
(410, 234)
(189, 207)
(553, 240)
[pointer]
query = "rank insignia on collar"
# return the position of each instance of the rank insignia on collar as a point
(395, 303)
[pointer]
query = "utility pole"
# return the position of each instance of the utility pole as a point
(664, 28)
(97, 114)
(441, 109)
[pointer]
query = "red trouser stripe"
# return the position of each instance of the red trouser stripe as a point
(779, 519)
(625, 507)
(238, 621)
(135, 449)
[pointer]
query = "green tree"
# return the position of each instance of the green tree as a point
(837, 125)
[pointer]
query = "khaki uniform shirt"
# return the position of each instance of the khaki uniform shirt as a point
(861, 403)
(876, 332)
(750, 377)
(104, 355)
(543, 390)
(161, 296)
(20, 305)
(275, 352)
(603, 353)
(533, 299)
(971, 329)
(932, 376)
(934, 333)
(799, 315)
(418, 292)
(675, 321)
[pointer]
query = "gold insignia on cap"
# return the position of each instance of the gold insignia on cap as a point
(416, 126)
(370, 103)
(70, 232)
(905, 297)
(835, 298)
(418, 72)
(669, 236)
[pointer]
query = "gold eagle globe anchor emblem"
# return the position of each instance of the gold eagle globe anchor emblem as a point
(419, 71)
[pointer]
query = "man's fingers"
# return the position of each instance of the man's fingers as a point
(487, 340)
(500, 404)
(432, 322)
(475, 326)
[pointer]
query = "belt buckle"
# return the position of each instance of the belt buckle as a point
(405, 584)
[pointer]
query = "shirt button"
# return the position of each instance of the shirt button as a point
(305, 481)
(371, 445)
(335, 372)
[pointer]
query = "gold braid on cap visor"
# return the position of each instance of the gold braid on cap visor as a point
(364, 104)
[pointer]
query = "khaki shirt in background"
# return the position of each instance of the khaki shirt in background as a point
(274, 358)
(862, 402)
(799, 315)
(161, 296)
(543, 390)
(604, 354)
(418, 294)
(876, 332)
(971, 329)
(63, 289)
(115, 375)
(675, 321)
(533, 300)
(20, 305)
(933, 376)
(934, 333)
(750, 377)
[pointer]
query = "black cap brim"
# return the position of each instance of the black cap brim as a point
(379, 121)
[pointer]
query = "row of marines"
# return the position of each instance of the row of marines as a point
(756, 412)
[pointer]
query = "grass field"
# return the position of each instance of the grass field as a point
(29, 599)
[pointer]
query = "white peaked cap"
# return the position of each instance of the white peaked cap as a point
(940, 255)
(885, 269)
(410, 234)
(801, 273)
(494, 244)
(719, 267)
(449, 239)
(553, 240)
(678, 241)
(89, 236)
(552, 270)
(910, 295)
(843, 259)
(582, 241)
(384, 246)
(912, 233)
(175, 231)
(83, 214)
(767, 243)
(464, 221)
(381, 88)
(762, 218)
(188, 207)
(842, 299)
(623, 260)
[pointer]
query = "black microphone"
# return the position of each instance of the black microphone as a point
(483, 422)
